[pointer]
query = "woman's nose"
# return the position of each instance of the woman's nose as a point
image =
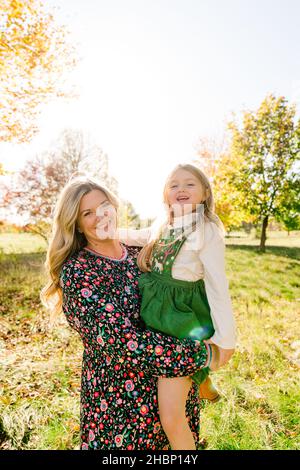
(101, 215)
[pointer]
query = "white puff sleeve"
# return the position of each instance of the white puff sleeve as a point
(212, 256)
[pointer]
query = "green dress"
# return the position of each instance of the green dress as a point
(176, 307)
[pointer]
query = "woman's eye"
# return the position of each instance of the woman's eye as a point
(87, 213)
(191, 184)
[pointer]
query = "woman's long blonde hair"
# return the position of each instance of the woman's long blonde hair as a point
(66, 239)
(209, 214)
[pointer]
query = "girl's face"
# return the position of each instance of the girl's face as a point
(97, 216)
(183, 192)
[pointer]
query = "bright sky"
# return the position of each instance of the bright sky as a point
(156, 75)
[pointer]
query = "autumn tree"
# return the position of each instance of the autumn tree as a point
(267, 146)
(214, 159)
(33, 192)
(128, 217)
(34, 56)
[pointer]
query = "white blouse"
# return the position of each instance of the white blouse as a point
(202, 256)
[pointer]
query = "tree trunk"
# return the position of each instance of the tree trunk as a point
(264, 234)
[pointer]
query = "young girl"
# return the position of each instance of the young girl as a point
(184, 288)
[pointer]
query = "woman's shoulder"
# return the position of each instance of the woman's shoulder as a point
(75, 261)
(133, 251)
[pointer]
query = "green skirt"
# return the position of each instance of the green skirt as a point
(177, 308)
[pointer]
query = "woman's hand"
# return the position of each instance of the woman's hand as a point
(220, 356)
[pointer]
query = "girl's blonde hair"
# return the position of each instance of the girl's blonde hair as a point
(209, 214)
(66, 239)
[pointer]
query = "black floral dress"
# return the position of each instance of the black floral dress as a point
(121, 359)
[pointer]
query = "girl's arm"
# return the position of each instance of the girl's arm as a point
(106, 330)
(134, 237)
(212, 256)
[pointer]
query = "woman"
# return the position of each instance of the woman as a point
(94, 278)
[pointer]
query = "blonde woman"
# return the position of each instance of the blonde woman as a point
(185, 290)
(94, 279)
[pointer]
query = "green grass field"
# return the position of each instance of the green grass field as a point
(40, 367)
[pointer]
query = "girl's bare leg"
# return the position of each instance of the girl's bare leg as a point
(172, 396)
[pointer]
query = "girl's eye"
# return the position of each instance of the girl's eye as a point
(174, 186)
(87, 213)
(191, 184)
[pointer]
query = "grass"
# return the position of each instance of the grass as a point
(260, 409)
(22, 243)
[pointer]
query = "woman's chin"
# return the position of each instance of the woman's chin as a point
(105, 233)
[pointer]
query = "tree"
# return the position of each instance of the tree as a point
(219, 165)
(34, 55)
(34, 191)
(127, 215)
(268, 149)
(290, 206)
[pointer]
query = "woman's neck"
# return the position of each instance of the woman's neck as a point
(109, 247)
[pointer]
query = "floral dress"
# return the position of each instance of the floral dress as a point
(122, 360)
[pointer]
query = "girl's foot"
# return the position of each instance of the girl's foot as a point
(207, 391)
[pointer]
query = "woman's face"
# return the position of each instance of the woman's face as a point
(97, 216)
(183, 192)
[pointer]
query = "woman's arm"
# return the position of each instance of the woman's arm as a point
(106, 330)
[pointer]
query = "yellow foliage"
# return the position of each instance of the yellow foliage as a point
(34, 53)
(221, 167)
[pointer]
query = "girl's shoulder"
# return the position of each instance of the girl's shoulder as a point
(212, 230)
(206, 232)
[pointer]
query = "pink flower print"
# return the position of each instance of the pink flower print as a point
(132, 345)
(91, 436)
(100, 340)
(88, 375)
(129, 275)
(119, 440)
(159, 350)
(127, 289)
(109, 307)
(86, 293)
(156, 428)
(179, 349)
(127, 322)
(103, 405)
(144, 410)
(167, 252)
(84, 446)
(129, 386)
